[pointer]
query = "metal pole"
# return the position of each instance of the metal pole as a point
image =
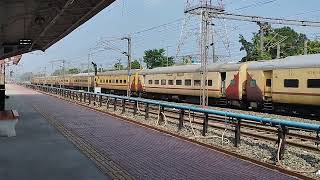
(129, 67)
(167, 56)
(129, 64)
(278, 51)
(63, 72)
(213, 45)
(88, 72)
(263, 26)
(305, 49)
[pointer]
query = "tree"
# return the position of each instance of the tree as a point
(313, 47)
(86, 70)
(291, 43)
(74, 71)
(118, 66)
(156, 58)
(135, 64)
(187, 60)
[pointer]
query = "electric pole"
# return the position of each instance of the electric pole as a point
(88, 72)
(63, 72)
(278, 51)
(119, 64)
(168, 56)
(128, 54)
(203, 9)
(263, 26)
(305, 48)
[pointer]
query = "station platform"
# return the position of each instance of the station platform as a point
(40, 152)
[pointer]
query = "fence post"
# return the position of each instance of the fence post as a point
(100, 100)
(146, 111)
(115, 104)
(237, 133)
(95, 99)
(205, 124)
(108, 99)
(181, 118)
(123, 106)
(84, 97)
(90, 96)
(80, 96)
(161, 114)
(135, 107)
(282, 131)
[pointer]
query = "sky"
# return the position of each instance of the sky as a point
(158, 24)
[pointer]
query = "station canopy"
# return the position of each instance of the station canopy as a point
(29, 25)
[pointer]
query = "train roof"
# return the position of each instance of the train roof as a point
(291, 62)
(223, 67)
(42, 77)
(82, 74)
(215, 67)
(120, 72)
(173, 69)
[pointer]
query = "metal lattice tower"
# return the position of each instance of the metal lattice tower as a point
(203, 9)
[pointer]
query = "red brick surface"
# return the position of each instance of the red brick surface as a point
(144, 153)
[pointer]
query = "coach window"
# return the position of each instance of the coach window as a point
(232, 82)
(120, 81)
(291, 83)
(170, 82)
(124, 81)
(313, 83)
(253, 83)
(268, 82)
(178, 82)
(109, 80)
(187, 82)
(163, 82)
(150, 81)
(117, 81)
(197, 82)
(156, 82)
(209, 82)
(100, 80)
(113, 81)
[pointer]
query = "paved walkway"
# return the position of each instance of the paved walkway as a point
(143, 153)
(39, 152)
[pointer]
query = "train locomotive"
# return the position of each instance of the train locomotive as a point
(290, 84)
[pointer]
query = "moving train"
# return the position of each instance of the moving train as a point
(291, 84)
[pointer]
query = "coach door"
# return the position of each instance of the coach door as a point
(267, 83)
(223, 83)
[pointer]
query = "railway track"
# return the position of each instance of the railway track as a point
(251, 129)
